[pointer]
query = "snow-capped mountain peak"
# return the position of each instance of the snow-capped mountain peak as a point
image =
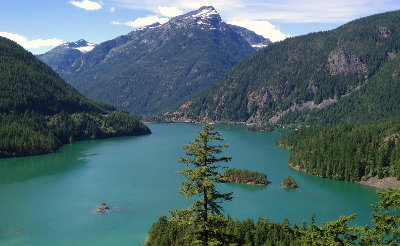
(85, 49)
(206, 12)
(205, 18)
(81, 45)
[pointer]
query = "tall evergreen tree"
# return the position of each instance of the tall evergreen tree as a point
(202, 175)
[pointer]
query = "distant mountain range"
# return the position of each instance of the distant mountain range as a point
(156, 68)
(63, 56)
(347, 75)
(255, 40)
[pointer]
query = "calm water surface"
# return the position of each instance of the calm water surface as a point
(51, 199)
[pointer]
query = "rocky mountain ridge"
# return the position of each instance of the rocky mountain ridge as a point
(257, 41)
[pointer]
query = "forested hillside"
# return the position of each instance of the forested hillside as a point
(346, 152)
(308, 73)
(39, 111)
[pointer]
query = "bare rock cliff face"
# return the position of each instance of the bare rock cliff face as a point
(340, 62)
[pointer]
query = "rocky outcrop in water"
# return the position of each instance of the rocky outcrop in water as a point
(102, 208)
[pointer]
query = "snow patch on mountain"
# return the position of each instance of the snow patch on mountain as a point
(206, 13)
(259, 46)
(85, 49)
(81, 45)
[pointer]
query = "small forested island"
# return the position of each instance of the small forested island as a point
(246, 177)
(39, 111)
(289, 183)
(263, 127)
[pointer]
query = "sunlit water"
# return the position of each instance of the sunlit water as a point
(51, 199)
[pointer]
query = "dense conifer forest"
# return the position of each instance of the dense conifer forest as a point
(346, 152)
(235, 232)
(39, 111)
(383, 231)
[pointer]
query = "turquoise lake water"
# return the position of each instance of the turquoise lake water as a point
(51, 199)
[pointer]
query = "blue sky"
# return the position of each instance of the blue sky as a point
(40, 25)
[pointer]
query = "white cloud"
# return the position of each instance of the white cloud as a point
(169, 11)
(140, 22)
(263, 28)
(87, 4)
(112, 9)
(285, 11)
(37, 43)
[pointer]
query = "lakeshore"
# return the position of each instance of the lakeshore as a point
(382, 184)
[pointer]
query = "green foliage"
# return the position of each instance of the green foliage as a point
(25, 134)
(202, 175)
(39, 111)
(235, 232)
(332, 233)
(245, 176)
(288, 182)
(346, 152)
(385, 230)
(84, 126)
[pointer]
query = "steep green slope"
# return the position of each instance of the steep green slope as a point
(305, 72)
(376, 101)
(39, 111)
(156, 68)
(28, 84)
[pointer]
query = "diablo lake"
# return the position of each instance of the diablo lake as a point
(51, 199)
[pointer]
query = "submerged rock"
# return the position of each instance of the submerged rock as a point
(102, 208)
